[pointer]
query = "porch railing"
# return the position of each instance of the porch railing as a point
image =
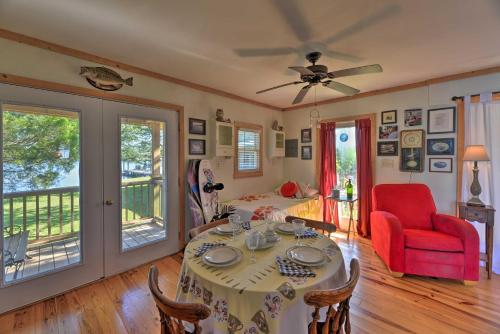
(55, 213)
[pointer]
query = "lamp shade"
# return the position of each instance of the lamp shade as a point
(476, 153)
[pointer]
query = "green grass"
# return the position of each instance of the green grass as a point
(137, 206)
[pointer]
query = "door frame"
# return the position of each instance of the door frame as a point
(89, 92)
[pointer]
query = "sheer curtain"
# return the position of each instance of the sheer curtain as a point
(482, 127)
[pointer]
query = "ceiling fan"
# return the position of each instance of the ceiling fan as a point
(318, 74)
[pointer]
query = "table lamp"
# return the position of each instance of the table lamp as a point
(475, 153)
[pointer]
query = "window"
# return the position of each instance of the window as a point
(248, 158)
(345, 145)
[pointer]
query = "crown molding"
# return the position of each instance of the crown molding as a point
(35, 42)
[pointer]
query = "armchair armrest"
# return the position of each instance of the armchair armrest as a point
(470, 239)
(388, 239)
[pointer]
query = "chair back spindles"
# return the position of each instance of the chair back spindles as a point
(172, 314)
(315, 224)
(336, 318)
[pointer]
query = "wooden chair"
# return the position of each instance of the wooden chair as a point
(199, 229)
(173, 313)
(338, 318)
(315, 224)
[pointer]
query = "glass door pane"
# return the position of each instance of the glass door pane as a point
(346, 164)
(41, 190)
(142, 182)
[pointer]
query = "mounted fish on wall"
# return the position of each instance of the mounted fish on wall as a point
(104, 78)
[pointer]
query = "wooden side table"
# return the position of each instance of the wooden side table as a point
(350, 201)
(484, 215)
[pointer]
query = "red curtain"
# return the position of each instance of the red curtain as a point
(328, 173)
(364, 171)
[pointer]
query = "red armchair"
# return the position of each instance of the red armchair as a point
(412, 238)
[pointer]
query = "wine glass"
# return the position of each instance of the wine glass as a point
(234, 220)
(253, 239)
(299, 227)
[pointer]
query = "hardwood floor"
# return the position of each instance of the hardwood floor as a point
(380, 304)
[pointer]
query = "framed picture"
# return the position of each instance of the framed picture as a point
(388, 132)
(291, 148)
(412, 160)
(413, 117)
(389, 117)
(387, 148)
(412, 138)
(197, 126)
(196, 146)
(441, 120)
(441, 146)
(306, 136)
(306, 152)
(441, 165)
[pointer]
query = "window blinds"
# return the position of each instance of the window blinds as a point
(248, 150)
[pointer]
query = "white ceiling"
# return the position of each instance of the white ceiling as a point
(197, 40)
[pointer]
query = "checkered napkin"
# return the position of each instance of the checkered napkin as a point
(246, 226)
(308, 234)
(206, 246)
(289, 268)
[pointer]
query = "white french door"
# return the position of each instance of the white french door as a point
(51, 212)
(141, 189)
(89, 188)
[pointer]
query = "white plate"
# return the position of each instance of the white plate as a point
(286, 228)
(306, 254)
(224, 255)
(225, 228)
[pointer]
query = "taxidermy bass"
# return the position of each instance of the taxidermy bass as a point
(103, 76)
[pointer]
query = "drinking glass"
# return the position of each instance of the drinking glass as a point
(253, 239)
(235, 222)
(299, 227)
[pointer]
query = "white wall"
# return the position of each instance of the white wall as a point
(442, 185)
(23, 60)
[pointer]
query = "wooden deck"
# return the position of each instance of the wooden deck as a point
(380, 304)
(58, 254)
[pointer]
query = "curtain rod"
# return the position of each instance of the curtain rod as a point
(454, 98)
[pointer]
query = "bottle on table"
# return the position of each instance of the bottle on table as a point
(349, 188)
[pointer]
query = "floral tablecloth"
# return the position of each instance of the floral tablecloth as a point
(254, 298)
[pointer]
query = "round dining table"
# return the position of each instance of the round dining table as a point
(251, 298)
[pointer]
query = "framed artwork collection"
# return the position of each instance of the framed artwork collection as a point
(441, 120)
(196, 146)
(389, 117)
(291, 148)
(306, 152)
(412, 160)
(441, 165)
(413, 117)
(441, 146)
(387, 148)
(197, 126)
(306, 136)
(412, 138)
(388, 132)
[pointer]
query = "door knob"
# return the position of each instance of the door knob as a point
(108, 202)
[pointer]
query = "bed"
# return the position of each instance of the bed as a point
(276, 207)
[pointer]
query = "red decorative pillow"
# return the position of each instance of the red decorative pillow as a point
(288, 189)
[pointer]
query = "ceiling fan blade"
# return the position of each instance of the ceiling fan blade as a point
(364, 23)
(302, 93)
(294, 18)
(279, 86)
(302, 70)
(339, 87)
(375, 68)
(341, 56)
(260, 52)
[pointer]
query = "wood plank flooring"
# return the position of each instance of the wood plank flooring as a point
(380, 304)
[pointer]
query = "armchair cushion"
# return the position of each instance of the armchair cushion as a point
(432, 240)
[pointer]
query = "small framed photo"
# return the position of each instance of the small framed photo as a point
(441, 146)
(412, 160)
(389, 117)
(196, 146)
(291, 148)
(441, 165)
(412, 138)
(306, 136)
(306, 153)
(197, 126)
(441, 120)
(388, 132)
(413, 117)
(387, 148)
